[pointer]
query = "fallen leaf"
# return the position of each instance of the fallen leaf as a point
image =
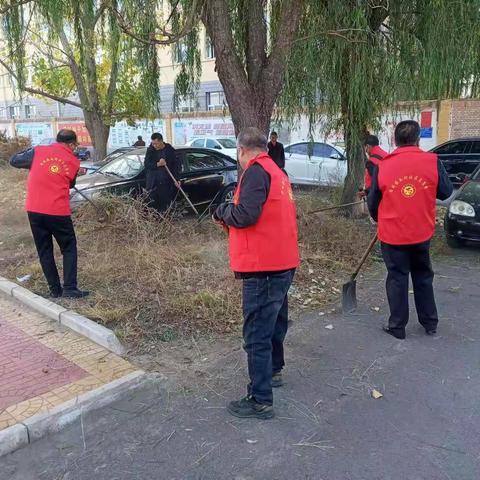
(252, 441)
(376, 394)
(329, 326)
(376, 309)
(310, 271)
(24, 278)
(321, 314)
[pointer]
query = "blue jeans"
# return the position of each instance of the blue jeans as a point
(265, 314)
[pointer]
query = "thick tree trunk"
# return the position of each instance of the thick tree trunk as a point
(99, 133)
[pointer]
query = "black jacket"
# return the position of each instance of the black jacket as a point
(155, 174)
(277, 153)
(444, 189)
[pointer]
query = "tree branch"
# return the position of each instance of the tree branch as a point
(35, 91)
(6, 8)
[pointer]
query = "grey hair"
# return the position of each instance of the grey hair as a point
(252, 138)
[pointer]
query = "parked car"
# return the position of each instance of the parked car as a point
(315, 163)
(459, 156)
(226, 145)
(462, 220)
(205, 176)
(92, 167)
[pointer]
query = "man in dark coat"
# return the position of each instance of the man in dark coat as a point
(276, 151)
(160, 186)
(140, 142)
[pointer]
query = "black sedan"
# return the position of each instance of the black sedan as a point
(459, 157)
(462, 220)
(205, 176)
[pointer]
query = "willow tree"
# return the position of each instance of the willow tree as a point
(60, 47)
(354, 60)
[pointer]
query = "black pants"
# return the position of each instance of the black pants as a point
(160, 193)
(265, 312)
(402, 260)
(44, 229)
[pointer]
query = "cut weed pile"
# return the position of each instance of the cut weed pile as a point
(156, 281)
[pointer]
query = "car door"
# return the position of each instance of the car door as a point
(453, 156)
(327, 166)
(473, 157)
(202, 177)
(296, 156)
(127, 175)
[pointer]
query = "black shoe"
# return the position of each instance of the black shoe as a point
(75, 293)
(431, 332)
(248, 407)
(397, 335)
(55, 293)
(277, 380)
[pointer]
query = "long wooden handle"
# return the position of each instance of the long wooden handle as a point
(181, 189)
(365, 256)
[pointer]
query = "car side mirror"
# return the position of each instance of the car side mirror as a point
(336, 156)
(218, 147)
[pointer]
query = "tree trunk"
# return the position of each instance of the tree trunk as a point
(99, 132)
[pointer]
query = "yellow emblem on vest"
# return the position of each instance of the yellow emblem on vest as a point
(408, 191)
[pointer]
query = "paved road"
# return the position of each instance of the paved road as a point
(426, 427)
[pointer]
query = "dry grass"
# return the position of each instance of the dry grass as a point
(155, 281)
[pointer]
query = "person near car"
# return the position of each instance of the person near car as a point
(140, 142)
(263, 248)
(402, 199)
(53, 170)
(160, 186)
(375, 154)
(276, 151)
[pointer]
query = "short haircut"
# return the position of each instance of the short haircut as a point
(252, 138)
(139, 137)
(274, 133)
(372, 141)
(66, 136)
(157, 136)
(407, 132)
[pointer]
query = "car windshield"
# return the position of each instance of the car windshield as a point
(476, 175)
(126, 166)
(227, 142)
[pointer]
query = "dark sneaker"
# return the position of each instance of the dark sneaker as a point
(431, 332)
(398, 335)
(248, 407)
(56, 293)
(277, 380)
(75, 293)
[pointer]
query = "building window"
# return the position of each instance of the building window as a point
(185, 104)
(179, 52)
(14, 111)
(30, 111)
(216, 101)
(209, 49)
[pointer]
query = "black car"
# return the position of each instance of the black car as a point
(205, 175)
(460, 156)
(462, 220)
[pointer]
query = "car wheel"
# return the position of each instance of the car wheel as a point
(454, 242)
(227, 194)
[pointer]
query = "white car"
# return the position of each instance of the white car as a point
(226, 145)
(315, 163)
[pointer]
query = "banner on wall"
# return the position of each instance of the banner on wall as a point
(185, 130)
(83, 137)
(35, 131)
(123, 135)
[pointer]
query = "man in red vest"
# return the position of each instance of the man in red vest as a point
(402, 198)
(264, 253)
(53, 169)
(375, 154)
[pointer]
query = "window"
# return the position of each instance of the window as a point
(204, 161)
(209, 50)
(452, 148)
(475, 148)
(14, 111)
(185, 105)
(128, 166)
(227, 142)
(299, 149)
(212, 143)
(199, 143)
(215, 101)
(30, 111)
(323, 150)
(179, 52)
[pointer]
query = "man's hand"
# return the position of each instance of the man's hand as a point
(161, 163)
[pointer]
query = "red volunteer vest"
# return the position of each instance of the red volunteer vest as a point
(48, 190)
(271, 244)
(373, 157)
(408, 180)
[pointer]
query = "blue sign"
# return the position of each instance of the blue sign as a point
(426, 132)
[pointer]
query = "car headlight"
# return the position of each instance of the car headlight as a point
(457, 207)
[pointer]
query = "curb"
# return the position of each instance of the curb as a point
(78, 323)
(36, 427)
